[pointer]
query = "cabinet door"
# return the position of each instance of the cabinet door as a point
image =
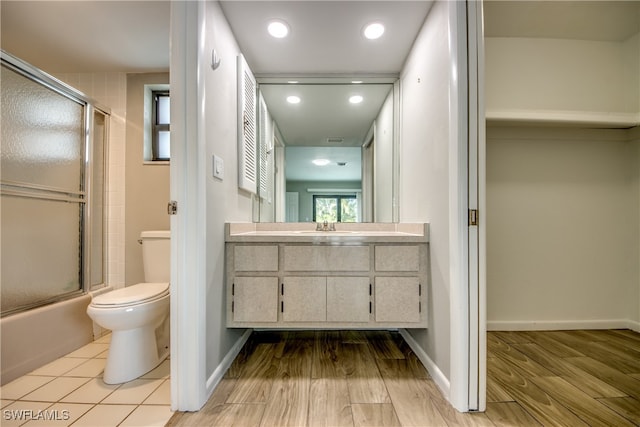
(348, 299)
(397, 299)
(255, 299)
(304, 299)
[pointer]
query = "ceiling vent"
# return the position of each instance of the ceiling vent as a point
(335, 140)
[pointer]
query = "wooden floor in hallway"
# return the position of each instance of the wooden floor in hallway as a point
(372, 378)
(564, 378)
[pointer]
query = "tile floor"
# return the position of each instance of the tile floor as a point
(70, 392)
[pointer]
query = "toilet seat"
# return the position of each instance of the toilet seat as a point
(132, 295)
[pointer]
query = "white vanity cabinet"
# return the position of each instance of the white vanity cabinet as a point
(327, 281)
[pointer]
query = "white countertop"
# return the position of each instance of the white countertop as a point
(345, 233)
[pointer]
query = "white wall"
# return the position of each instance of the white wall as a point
(224, 202)
(383, 158)
(424, 169)
(562, 212)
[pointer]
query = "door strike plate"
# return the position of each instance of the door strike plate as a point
(172, 207)
(473, 217)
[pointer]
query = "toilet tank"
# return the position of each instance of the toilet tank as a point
(156, 255)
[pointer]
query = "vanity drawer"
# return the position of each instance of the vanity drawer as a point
(326, 258)
(397, 258)
(255, 258)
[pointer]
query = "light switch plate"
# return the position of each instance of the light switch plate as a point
(218, 167)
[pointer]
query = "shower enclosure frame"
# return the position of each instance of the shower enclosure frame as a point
(83, 197)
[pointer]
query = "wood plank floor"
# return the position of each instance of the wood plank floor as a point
(372, 378)
(563, 378)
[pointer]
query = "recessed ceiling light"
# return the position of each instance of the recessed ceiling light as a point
(373, 31)
(278, 29)
(292, 82)
(292, 99)
(356, 82)
(320, 162)
(356, 99)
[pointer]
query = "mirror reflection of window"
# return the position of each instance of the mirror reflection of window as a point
(335, 208)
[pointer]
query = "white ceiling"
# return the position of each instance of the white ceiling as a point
(325, 36)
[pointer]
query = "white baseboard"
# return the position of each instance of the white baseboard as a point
(218, 373)
(552, 325)
(440, 379)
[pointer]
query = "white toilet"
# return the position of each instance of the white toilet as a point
(138, 315)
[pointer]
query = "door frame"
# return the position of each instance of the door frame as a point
(467, 174)
(477, 203)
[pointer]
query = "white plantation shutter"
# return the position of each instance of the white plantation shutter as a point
(247, 128)
(265, 119)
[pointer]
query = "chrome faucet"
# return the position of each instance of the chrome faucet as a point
(325, 226)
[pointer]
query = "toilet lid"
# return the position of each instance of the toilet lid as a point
(132, 294)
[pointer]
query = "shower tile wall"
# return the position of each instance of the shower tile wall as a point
(110, 90)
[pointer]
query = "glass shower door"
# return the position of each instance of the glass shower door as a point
(42, 199)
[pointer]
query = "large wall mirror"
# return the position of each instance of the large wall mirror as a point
(327, 150)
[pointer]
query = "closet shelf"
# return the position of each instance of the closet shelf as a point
(562, 118)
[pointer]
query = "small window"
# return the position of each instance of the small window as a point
(335, 208)
(161, 119)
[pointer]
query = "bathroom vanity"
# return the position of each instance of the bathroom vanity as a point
(289, 275)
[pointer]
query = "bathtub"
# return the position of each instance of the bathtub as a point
(36, 337)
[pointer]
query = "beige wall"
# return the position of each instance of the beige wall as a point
(147, 185)
(563, 213)
(635, 142)
(550, 75)
(562, 228)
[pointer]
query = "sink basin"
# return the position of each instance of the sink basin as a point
(328, 233)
